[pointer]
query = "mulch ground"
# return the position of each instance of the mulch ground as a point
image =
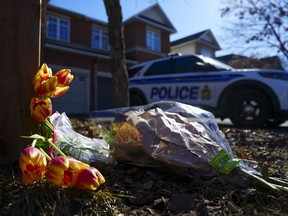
(134, 190)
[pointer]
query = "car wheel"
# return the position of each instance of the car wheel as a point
(275, 123)
(249, 109)
(136, 100)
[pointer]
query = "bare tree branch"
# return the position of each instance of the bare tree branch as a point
(259, 23)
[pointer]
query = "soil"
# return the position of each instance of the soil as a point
(134, 190)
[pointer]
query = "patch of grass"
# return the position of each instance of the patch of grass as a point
(43, 198)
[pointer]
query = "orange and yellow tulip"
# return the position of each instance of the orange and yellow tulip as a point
(64, 77)
(40, 109)
(89, 178)
(58, 91)
(32, 163)
(44, 83)
(63, 170)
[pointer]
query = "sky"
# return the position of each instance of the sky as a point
(187, 16)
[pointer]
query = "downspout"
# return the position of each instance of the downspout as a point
(93, 85)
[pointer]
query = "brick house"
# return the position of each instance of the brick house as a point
(80, 43)
(201, 43)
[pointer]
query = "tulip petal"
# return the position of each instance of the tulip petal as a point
(58, 91)
(89, 178)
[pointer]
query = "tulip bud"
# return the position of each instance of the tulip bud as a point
(64, 77)
(44, 83)
(63, 170)
(44, 70)
(32, 163)
(89, 178)
(40, 109)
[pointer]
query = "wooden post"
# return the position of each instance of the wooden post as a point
(20, 44)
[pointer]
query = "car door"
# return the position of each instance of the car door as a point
(157, 81)
(194, 82)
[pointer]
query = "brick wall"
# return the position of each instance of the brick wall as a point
(80, 31)
(67, 59)
(135, 35)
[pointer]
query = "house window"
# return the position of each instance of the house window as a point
(206, 52)
(100, 39)
(58, 28)
(153, 40)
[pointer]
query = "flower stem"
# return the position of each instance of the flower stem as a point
(260, 182)
(34, 142)
(49, 125)
(55, 147)
(46, 155)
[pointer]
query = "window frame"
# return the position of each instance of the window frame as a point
(197, 65)
(150, 38)
(157, 68)
(101, 36)
(169, 66)
(58, 28)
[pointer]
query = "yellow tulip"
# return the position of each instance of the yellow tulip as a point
(89, 178)
(58, 91)
(32, 163)
(40, 109)
(64, 77)
(63, 170)
(44, 83)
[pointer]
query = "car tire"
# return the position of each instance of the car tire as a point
(249, 109)
(136, 100)
(275, 123)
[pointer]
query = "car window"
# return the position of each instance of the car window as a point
(217, 64)
(192, 64)
(133, 71)
(159, 68)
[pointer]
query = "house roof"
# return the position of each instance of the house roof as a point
(200, 36)
(272, 62)
(154, 16)
(229, 57)
(58, 10)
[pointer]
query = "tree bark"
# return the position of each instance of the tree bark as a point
(20, 58)
(117, 52)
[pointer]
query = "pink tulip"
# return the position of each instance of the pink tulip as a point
(32, 163)
(63, 170)
(89, 178)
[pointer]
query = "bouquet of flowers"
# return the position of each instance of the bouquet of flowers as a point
(43, 158)
(186, 140)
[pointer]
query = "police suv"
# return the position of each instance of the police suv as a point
(249, 97)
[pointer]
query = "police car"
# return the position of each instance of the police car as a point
(249, 97)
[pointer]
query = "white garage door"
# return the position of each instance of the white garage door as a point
(76, 100)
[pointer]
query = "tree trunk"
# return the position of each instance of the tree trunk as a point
(20, 59)
(117, 51)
